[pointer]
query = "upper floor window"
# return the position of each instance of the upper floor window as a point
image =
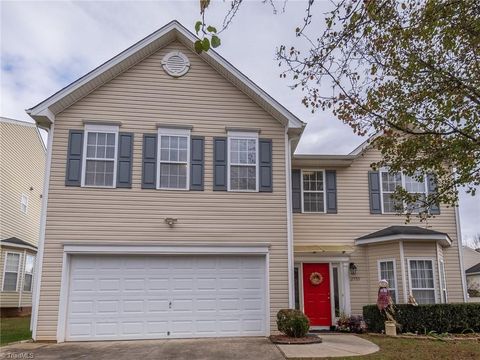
(387, 271)
(24, 203)
(10, 274)
(243, 162)
(174, 158)
(100, 160)
(389, 183)
(422, 283)
(28, 277)
(313, 191)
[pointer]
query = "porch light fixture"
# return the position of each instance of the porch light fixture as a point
(353, 268)
(170, 221)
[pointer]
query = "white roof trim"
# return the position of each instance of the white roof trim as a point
(41, 112)
(360, 148)
(19, 246)
(444, 240)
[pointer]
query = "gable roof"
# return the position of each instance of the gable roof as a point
(16, 242)
(475, 269)
(44, 112)
(399, 232)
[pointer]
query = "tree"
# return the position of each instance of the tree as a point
(406, 70)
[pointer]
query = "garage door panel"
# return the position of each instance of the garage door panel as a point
(149, 297)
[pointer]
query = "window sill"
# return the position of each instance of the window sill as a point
(172, 189)
(98, 187)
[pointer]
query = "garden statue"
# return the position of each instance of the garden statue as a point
(385, 305)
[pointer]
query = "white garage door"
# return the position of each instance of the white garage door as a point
(150, 297)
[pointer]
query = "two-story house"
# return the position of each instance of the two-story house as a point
(22, 164)
(176, 209)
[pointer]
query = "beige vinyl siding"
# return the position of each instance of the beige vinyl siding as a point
(354, 220)
(22, 164)
(140, 98)
(470, 257)
(19, 298)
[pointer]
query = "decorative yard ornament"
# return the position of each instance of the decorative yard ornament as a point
(316, 278)
(384, 300)
(411, 300)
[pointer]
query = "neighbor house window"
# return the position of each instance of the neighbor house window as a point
(422, 282)
(28, 277)
(243, 162)
(100, 162)
(443, 281)
(174, 154)
(10, 274)
(313, 191)
(387, 271)
(24, 203)
(389, 181)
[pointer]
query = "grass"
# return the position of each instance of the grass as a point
(14, 329)
(397, 348)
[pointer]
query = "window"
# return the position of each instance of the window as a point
(174, 156)
(100, 151)
(422, 281)
(313, 194)
(28, 278)
(387, 270)
(243, 160)
(24, 203)
(443, 282)
(389, 183)
(10, 275)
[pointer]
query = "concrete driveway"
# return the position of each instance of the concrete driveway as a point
(188, 349)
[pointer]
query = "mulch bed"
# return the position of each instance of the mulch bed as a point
(284, 339)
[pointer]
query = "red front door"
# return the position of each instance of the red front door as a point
(316, 298)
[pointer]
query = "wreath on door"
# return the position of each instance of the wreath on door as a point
(316, 278)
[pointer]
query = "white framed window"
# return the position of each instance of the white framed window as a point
(389, 183)
(387, 270)
(443, 281)
(173, 170)
(28, 275)
(100, 161)
(313, 191)
(422, 280)
(10, 271)
(242, 161)
(24, 203)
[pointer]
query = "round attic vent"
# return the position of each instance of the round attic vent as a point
(175, 64)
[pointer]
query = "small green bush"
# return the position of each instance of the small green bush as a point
(292, 323)
(421, 319)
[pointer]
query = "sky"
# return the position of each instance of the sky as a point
(47, 45)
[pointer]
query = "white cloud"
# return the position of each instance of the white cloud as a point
(46, 45)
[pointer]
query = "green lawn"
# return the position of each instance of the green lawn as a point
(14, 329)
(396, 348)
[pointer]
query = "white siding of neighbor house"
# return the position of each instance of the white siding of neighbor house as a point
(354, 220)
(140, 98)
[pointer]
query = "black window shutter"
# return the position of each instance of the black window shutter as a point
(296, 191)
(331, 187)
(197, 163)
(220, 164)
(432, 189)
(265, 156)
(374, 190)
(73, 176)
(124, 162)
(149, 161)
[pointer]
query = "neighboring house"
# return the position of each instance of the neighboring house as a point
(175, 209)
(471, 260)
(22, 167)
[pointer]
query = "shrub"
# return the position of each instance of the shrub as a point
(292, 323)
(441, 318)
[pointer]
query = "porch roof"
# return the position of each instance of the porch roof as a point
(410, 233)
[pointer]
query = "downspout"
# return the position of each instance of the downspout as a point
(41, 240)
(404, 273)
(288, 176)
(460, 253)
